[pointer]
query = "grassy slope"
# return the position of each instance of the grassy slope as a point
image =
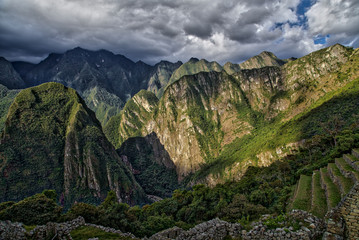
(333, 193)
(303, 193)
(85, 232)
(319, 207)
(347, 183)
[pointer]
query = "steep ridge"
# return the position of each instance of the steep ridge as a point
(268, 107)
(327, 186)
(195, 117)
(160, 76)
(193, 66)
(52, 140)
(8, 76)
(132, 120)
(6, 98)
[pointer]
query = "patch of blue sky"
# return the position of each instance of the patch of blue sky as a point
(321, 39)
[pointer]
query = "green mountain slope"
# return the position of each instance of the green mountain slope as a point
(130, 122)
(6, 98)
(220, 124)
(317, 95)
(52, 140)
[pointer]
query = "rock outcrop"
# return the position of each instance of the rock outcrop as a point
(311, 227)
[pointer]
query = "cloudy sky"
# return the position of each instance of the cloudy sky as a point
(153, 30)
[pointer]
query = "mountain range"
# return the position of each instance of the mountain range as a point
(172, 124)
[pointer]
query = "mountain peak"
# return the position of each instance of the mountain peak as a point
(193, 59)
(264, 59)
(267, 54)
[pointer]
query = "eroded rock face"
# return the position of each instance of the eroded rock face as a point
(200, 114)
(52, 140)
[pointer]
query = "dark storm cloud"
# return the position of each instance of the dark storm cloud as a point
(255, 15)
(198, 29)
(152, 30)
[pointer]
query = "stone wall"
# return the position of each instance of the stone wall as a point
(58, 231)
(10, 230)
(218, 229)
(311, 227)
(343, 221)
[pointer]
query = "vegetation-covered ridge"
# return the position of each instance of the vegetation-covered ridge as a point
(6, 98)
(220, 124)
(260, 190)
(52, 140)
(293, 113)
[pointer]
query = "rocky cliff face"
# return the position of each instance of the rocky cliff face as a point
(52, 140)
(194, 118)
(160, 76)
(306, 85)
(200, 115)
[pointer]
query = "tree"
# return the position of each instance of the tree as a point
(333, 127)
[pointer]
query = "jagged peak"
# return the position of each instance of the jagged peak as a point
(267, 53)
(78, 49)
(165, 62)
(193, 59)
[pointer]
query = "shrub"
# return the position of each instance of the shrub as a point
(34, 210)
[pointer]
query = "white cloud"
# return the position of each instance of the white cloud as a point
(338, 18)
(152, 30)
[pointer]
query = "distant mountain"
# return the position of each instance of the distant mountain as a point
(105, 80)
(52, 140)
(8, 75)
(23, 67)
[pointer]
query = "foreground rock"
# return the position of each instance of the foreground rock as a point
(308, 227)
